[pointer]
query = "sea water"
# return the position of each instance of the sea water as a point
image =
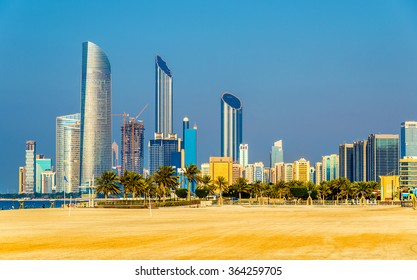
(10, 204)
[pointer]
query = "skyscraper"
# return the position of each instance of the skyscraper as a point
(96, 129)
(277, 154)
(408, 139)
(302, 170)
(330, 167)
(189, 143)
(359, 161)
(231, 125)
(346, 161)
(67, 151)
(243, 154)
(42, 164)
(164, 152)
(163, 98)
(382, 156)
(132, 146)
(115, 154)
(30, 174)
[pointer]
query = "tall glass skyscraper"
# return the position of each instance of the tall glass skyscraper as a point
(231, 125)
(409, 139)
(359, 161)
(346, 161)
(96, 151)
(243, 154)
(277, 154)
(30, 175)
(382, 156)
(67, 151)
(163, 98)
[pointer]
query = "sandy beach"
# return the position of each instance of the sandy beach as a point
(215, 233)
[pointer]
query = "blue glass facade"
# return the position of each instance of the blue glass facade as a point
(359, 161)
(346, 161)
(382, 156)
(95, 130)
(277, 154)
(163, 152)
(231, 126)
(42, 164)
(409, 139)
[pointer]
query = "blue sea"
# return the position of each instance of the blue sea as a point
(28, 204)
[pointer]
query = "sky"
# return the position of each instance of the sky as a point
(315, 74)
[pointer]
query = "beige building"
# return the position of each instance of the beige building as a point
(288, 173)
(236, 171)
(390, 187)
(408, 173)
(205, 169)
(221, 166)
(302, 170)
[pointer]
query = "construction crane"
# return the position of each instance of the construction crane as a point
(140, 113)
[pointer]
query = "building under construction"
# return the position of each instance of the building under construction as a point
(132, 146)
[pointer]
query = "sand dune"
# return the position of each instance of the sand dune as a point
(228, 232)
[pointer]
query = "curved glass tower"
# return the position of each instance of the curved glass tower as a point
(95, 131)
(231, 125)
(163, 98)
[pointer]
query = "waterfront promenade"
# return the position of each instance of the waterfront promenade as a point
(228, 232)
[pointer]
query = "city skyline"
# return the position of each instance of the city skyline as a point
(313, 80)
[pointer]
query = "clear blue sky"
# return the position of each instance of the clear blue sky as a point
(313, 73)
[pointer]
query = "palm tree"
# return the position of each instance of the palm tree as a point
(282, 188)
(108, 183)
(338, 185)
(191, 172)
(258, 188)
(324, 189)
(205, 183)
(365, 189)
(166, 180)
(240, 186)
(346, 188)
(131, 182)
(222, 185)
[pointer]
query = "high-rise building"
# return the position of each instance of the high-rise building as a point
(408, 174)
(22, 178)
(236, 171)
(132, 151)
(163, 98)
(288, 172)
(47, 181)
(277, 154)
(312, 174)
(258, 172)
(249, 172)
(330, 167)
(205, 169)
(301, 170)
(267, 175)
(231, 125)
(30, 174)
(279, 173)
(346, 161)
(408, 139)
(318, 173)
(189, 143)
(382, 156)
(96, 119)
(42, 164)
(221, 166)
(359, 161)
(164, 152)
(115, 154)
(243, 154)
(67, 161)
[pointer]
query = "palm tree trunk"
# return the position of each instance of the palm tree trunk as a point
(240, 197)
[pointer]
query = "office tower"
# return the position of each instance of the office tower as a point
(243, 154)
(301, 170)
(277, 154)
(42, 164)
(96, 128)
(258, 171)
(221, 166)
(408, 174)
(30, 178)
(189, 143)
(267, 175)
(22, 178)
(163, 98)
(164, 152)
(47, 181)
(231, 125)
(279, 173)
(359, 161)
(408, 139)
(319, 173)
(132, 139)
(115, 154)
(382, 156)
(288, 172)
(312, 174)
(67, 151)
(346, 161)
(249, 172)
(205, 169)
(330, 167)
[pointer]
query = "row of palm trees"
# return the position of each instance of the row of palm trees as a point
(164, 181)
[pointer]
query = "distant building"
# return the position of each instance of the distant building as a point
(205, 169)
(258, 172)
(231, 126)
(237, 171)
(243, 154)
(30, 178)
(164, 152)
(221, 166)
(330, 167)
(360, 161)
(318, 173)
(279, 172)
(346, 161)
(42, 164)
(249, 172)
(408, 174)
(267, 175)
(382, 156)
(189, 143)
(163, 98)
(115, 154)
(408, 139)
(301, 170)
(390, 187)
(277, 154)
(288, 172)
(132, 148)
(48, 181)
(312, 174)
(22, 178)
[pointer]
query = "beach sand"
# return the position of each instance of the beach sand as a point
(215, 233)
